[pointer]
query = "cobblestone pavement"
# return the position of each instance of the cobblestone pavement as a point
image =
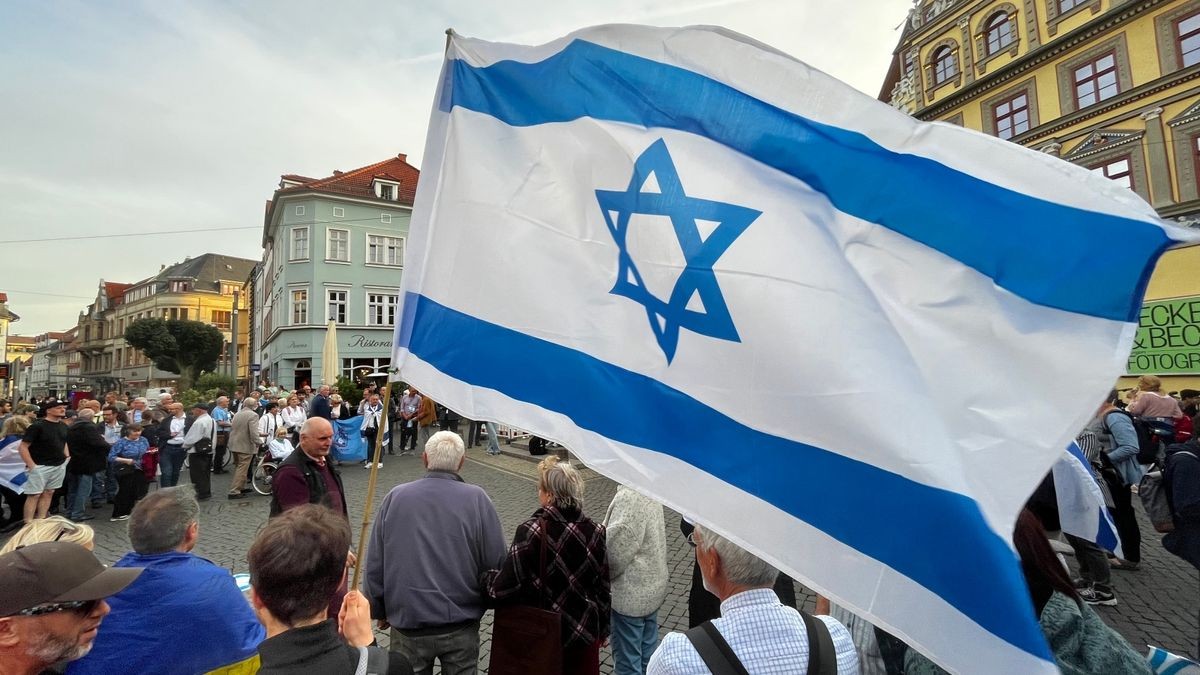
(1158, 604)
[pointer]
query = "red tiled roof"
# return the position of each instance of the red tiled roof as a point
(114, 291)
(19, 340)
(297, 178)
(358, 182)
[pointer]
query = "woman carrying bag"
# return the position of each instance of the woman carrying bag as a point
(557, 564)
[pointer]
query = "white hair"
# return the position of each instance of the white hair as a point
(739, 565)
(141, 399)
(250, 402)
(444, 451)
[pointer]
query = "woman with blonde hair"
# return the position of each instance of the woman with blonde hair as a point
(11, 433)
(50, 529)
(1151, 402)
(575, 582)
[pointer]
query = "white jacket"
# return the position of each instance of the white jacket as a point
(293, 417)
(267, 424)
(637, 553)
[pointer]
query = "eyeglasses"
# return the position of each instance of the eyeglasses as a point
(691, 539)
(83, 607)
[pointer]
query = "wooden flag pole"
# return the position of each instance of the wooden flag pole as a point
(366, 521)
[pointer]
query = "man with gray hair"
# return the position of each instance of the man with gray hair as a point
(761, 634)
(430, 595)
(183, 614)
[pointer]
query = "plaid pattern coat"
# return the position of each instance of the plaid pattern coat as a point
(576, 581)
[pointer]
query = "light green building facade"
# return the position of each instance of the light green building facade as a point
(333, 248)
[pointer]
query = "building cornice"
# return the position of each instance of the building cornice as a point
(1082, 35)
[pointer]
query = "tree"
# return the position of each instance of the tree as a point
(185, 347)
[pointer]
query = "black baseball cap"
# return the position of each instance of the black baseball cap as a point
(56, 571)
(52, 403)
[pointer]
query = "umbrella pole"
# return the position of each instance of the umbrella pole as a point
(366, 521)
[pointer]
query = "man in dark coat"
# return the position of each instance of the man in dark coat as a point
(320, 404)
(89, 456)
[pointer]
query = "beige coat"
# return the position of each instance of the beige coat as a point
(243, 433)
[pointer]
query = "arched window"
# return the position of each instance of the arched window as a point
(999, 33)
(945, 65)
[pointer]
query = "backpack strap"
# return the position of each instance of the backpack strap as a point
(715, 651)
(822, 658)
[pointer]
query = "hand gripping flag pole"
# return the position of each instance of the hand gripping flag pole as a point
(370, 502)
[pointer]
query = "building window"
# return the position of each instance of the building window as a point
(385, 218)
(358, 369)
(1065, 6)
(339, 212)
(300, 307)
(222, 320)
(1118, 170)
(174, 313)
(337, 307)
(180, 286)
(183, 314)
(1096, 81)
(338, 248)
(381, 309)
(387, 192)
(1012, 116)
(1187, 32)
(999, 33)
(945, 65)
(299, 210)
(299, 244)
(385, 250)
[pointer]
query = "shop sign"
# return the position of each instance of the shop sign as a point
(1168, 338)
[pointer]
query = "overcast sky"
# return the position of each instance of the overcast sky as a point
(121, 118)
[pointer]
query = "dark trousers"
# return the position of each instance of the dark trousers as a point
(200, 470)
(370, 435)
(131, 485)
(1093, 562)
(16, 506)
(1125, 519)
(218, 458)
(408, 435)
(581, 659)
(170, 459)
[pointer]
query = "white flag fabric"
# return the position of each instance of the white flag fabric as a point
(12, 467)
(851, 342)
(1081, 508)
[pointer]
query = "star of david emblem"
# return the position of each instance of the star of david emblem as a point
(668, 316)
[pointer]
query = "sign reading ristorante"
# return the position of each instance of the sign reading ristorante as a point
(1168, 338)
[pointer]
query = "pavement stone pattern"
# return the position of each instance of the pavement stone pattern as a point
(1158, 604)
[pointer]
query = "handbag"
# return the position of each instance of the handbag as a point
(527, 640)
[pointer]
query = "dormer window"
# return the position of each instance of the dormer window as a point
(181, 286)
(387, 189)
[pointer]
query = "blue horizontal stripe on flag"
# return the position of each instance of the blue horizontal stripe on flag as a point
(1050, 254)
(948, 547)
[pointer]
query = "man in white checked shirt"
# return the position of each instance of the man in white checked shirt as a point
(767, 637)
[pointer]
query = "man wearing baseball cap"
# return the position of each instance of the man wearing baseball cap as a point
(51, 604)
(44, 451)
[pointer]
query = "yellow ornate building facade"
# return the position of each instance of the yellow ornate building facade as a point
(1111, 85)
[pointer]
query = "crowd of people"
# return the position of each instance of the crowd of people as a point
(436, 559)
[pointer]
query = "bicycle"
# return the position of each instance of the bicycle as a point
(264, 472)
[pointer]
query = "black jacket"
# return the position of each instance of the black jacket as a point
(89, 450)
(298, 461)
(317, 649)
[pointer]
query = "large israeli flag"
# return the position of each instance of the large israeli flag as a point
(849, 341)
(1081, 508)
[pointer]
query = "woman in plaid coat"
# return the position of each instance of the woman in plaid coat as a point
(576, 579)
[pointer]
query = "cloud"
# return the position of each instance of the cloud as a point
(167, 115)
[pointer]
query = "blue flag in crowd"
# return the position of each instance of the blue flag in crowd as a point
(777, 305)
(12, 467)
(1081, 508)
(348, 442)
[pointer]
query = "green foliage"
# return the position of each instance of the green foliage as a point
(188, 397)
(216, 382)
(185, 347)
(350, 391)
